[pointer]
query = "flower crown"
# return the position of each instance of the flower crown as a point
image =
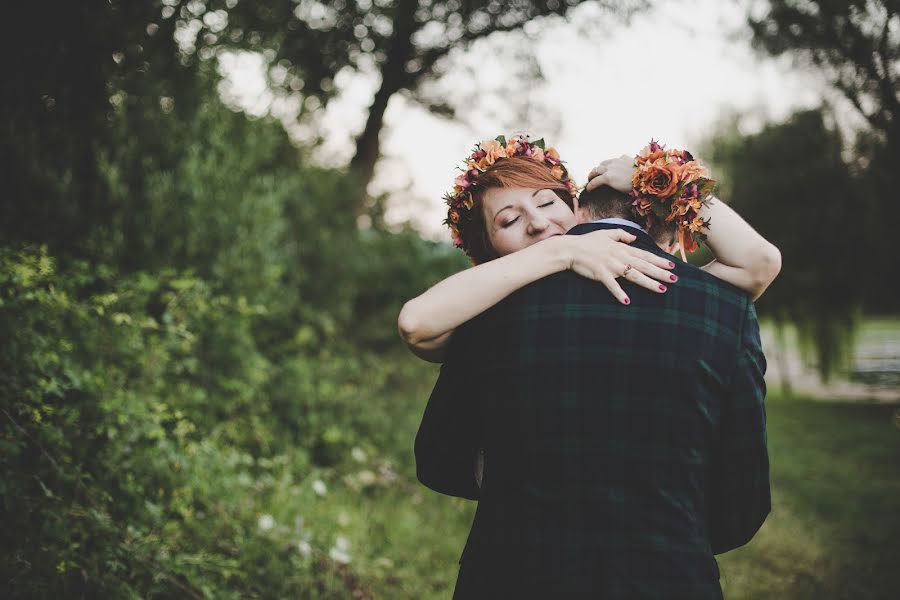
(671, 186)
(483, 156)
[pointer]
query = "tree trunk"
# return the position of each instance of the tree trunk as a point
(393, 79)
(782, 357)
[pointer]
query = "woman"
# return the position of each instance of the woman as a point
(510, 211)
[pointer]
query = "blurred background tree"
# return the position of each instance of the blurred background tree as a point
(791, 182)
(406, 42)
(855, 44)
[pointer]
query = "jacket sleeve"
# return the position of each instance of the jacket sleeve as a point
(740, 496)
(446, 445)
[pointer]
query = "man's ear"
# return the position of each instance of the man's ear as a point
(580, 216)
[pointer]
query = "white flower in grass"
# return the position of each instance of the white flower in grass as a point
(340, 551)
(358, 454)
(343, 519)
(367, 478)
(266, 522)
(304, 548)
(319, 488)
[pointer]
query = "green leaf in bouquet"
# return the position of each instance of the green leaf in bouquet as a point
(706, 187)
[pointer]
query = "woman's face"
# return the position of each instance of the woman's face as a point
(518, 217)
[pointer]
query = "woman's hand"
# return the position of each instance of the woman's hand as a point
(614, 172)
(606, 255)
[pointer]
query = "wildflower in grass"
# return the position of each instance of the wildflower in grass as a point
(340, 551)
(266, 522)
(358, 454)
(319, 488)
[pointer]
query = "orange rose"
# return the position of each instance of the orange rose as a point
(557, 171)
(661, 180)
(537, 154)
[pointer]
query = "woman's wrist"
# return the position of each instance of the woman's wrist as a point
(561, 250)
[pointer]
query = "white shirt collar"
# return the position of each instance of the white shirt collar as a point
(618, 221)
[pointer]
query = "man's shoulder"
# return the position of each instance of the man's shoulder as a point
(691, 277)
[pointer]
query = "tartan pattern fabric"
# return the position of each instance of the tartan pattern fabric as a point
(624, 445)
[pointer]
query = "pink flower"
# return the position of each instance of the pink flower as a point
(551, 156)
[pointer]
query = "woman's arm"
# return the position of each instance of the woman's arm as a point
(742, 256)
(427, 321)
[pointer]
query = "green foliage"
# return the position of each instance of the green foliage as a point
(145, 434)
(179, 368)
(791, 182)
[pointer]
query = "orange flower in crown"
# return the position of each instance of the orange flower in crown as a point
(460, 201)
(671, 186)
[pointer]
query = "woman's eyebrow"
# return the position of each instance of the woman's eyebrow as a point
(501, 210)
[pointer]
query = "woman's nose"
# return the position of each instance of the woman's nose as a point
(537, 224)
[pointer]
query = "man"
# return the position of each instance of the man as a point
(623, 446)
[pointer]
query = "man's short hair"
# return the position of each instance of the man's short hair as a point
(605, 202)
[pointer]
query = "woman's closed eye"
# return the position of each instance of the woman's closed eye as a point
(508, 223)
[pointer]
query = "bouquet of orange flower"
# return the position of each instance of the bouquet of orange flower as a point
(671, 186)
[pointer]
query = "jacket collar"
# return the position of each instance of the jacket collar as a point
(643, 240)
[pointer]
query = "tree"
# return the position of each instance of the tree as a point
(68, 67)
(790, 182)
(856, 43)
(406, 41)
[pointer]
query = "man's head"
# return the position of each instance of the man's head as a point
(605, 203)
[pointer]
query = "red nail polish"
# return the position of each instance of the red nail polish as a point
(673, 277)
(671, 264)
(662, 288)
(626, 301)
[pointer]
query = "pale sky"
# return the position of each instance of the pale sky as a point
(670, 74)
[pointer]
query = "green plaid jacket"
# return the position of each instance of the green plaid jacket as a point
(624, 445)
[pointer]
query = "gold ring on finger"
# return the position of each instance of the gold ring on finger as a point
(627, 269)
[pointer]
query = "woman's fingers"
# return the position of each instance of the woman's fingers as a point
(650, 269)
(618, 235)
(634, 275)
(599, 169)
(596, 182)
(615, 289)
(653, 259)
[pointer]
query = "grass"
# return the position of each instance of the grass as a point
(834, 530)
